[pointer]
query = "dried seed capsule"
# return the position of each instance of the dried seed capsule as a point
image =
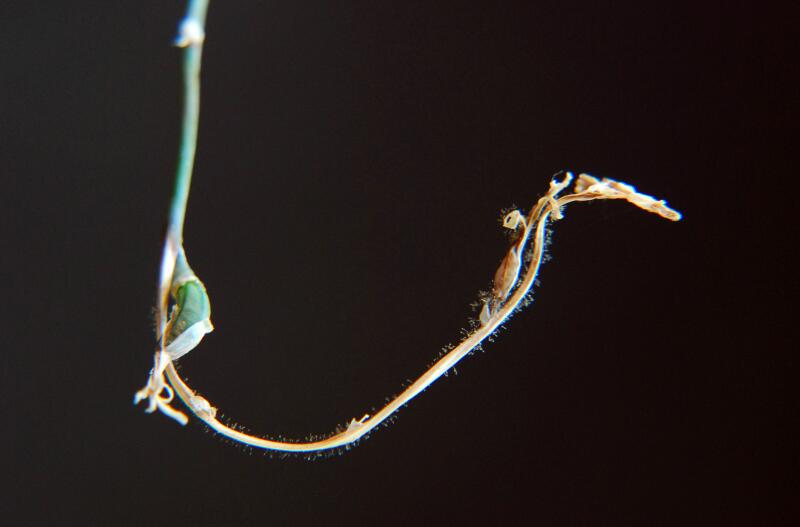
(506, 275)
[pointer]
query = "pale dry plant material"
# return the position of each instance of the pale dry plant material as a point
(189, 319)
(508, 292)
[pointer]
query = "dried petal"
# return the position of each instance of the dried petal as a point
(513, 219)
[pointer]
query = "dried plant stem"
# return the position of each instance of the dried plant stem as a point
(535, 226)
(190, 318)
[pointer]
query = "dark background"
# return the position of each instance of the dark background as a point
(353, 162)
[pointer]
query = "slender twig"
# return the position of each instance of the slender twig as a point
(191, 37)
(173, 260)
(190, 318)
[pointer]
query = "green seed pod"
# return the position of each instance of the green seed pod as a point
(190, 319)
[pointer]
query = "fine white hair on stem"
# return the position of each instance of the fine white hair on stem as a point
(190, 319)
(534, 229)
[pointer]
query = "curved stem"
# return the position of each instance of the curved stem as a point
(587, 189)
(174, 264)
(536, 224)
(358, 429)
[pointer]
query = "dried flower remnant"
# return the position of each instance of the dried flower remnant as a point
(609, 189)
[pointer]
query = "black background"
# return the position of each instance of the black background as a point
(353, 162)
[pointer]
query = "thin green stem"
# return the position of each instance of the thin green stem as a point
(175, 271)
(191, 39)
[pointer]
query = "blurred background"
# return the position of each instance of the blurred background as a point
(354, 159)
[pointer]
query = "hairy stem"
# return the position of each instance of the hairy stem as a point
(191, 317)
(535, 227)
